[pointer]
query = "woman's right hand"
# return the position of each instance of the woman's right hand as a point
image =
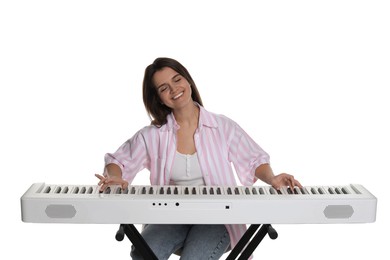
(114, 180)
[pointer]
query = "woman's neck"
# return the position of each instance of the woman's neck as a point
(188, 115)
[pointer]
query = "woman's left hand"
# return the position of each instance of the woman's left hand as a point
(284, 179)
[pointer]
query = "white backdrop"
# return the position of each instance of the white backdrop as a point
(306, 79)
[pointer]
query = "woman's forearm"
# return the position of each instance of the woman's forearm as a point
(113, 171)
(264, 173)
(112, 175)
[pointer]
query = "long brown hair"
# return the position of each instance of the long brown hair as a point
(156, 110)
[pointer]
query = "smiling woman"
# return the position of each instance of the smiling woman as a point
(173, 89)
(188, 145)
(175, 92)
(160, 78)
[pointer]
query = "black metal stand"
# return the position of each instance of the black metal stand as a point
(247, 244)
(251, 245)
(135, 237)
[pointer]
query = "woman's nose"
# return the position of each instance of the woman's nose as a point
(172, 88)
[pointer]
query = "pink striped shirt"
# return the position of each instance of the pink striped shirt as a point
(219, 142)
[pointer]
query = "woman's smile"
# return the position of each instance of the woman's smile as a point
(178, 95)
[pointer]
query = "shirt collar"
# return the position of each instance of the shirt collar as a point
(206, 119)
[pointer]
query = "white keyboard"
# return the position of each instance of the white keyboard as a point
(44, 203)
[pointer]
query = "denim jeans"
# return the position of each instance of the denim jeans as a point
(197, 242)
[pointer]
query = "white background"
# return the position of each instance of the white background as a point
(306, 79)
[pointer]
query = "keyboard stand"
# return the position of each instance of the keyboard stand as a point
(251, 245)
(136, 239)
(246, 242)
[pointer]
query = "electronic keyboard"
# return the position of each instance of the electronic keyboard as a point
(45, 203)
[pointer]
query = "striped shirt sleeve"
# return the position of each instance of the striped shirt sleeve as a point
(131, 156)
(245, 154)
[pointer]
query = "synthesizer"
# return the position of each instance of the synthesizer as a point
(50, 203)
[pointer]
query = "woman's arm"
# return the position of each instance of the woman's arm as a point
(123, 165)
(265, 173)
(112, 175)
(114, 171)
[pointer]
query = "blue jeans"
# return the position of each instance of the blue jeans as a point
(197, 242)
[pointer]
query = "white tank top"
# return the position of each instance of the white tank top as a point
(186, 170)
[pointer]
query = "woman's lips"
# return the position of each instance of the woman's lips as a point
(178, 95)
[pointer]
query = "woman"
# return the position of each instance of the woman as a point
(187, 145)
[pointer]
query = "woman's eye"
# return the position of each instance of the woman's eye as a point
(177, 79)
(162, 89)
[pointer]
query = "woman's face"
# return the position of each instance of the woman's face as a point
(173, 89)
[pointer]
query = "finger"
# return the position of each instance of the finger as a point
(110, 181)
(103, 187)
(292, 182)
(125, 185)
(99, 176)
(297, 183)
(276, 186)
(102, 180)
(286, 179)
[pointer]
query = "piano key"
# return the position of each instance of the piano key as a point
(47, 189)
(106, 191)
(297, 190)
(229, 191)
(304, 190)
(65, 190)
(57, 189)
(262, 190)
(321, 190)
(272, 191)
(345, 190)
